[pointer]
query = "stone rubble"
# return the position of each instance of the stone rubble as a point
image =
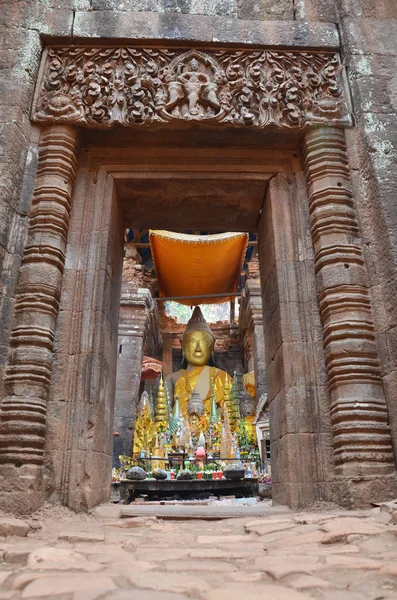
(103, 557)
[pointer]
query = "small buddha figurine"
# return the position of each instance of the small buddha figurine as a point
(198, 346)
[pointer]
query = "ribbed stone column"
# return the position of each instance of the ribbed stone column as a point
(28, 372)
(361, 437)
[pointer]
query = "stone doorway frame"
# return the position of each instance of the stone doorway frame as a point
(96, 182)
(362, 458)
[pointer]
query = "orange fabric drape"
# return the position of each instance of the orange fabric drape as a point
(187, 265)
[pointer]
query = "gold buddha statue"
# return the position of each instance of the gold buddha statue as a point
(198, 346)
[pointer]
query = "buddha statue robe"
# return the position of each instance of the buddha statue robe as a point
(198, 379)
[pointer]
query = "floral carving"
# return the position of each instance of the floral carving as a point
(104, 86)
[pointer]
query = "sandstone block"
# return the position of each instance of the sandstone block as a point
(81, 537)
(24, 578)
(221, 553)
(169, 582)
(265, 10)
(389, 570)
(138, 595)
(214, 540)
(107, 511)
(17, 527)
(253, 591)
(279, 567)
(265, 528)
(206, 28)
(181, 566)
(60, 559)
(338, 530)
(138, 522)
(353, 562)
(66, 584)
(307, 582)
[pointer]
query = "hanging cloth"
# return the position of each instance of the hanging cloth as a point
(187, 265)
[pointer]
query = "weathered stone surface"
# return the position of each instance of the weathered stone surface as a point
(168, 582)
(339, 529)
(252, 591)
(203, 7)
(48, 558)
(266, 528)
(307, 582)
(159, 566)
(279, 567)
(195, 28)
(138, 522)
(11, 527)
(82, 537)
(265, 10)
(65, 584)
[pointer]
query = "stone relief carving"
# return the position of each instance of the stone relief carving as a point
(105, 86)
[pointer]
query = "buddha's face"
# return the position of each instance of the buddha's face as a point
(197, 347)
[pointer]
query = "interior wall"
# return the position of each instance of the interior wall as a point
(300, 428)
(80, 409)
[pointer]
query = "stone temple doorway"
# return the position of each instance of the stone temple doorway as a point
(214, 189)
(287, 178)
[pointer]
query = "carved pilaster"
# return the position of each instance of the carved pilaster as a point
(28, 372)
(362, 442)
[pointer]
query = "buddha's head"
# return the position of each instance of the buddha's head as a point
(197, 341)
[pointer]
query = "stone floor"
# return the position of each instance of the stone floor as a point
(333, 555)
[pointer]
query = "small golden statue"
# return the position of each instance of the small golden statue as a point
(145, 428)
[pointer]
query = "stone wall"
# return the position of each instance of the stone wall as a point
(365, 30)
(368, 34)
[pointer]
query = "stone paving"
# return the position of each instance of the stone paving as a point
(333, 555)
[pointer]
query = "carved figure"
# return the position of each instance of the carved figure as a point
(104, 86)
(195, 86)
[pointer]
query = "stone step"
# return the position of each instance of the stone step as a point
(209, 513)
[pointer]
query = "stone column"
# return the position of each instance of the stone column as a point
(136, 313)
(28, 372)
(251, 326)
(167, 354)
(361, 437)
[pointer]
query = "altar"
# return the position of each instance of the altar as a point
(153, 489)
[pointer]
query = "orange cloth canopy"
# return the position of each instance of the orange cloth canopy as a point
(187, 265)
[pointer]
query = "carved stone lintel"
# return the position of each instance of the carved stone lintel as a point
(100, 87)
(361, 437)
(28, 372)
